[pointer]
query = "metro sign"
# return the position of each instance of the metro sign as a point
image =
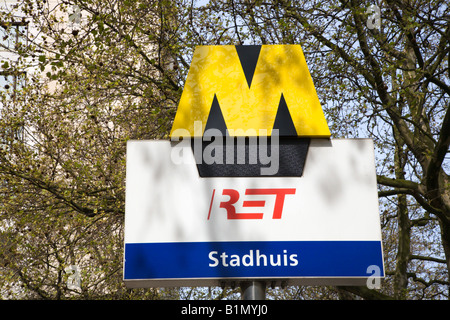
(250, 88)
(320, 229)
(191, 222)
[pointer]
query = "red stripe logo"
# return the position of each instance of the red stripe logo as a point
(234, 196)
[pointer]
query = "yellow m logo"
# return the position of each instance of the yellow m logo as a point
(248, 88)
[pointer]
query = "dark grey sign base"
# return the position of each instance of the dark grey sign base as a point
(246, 157)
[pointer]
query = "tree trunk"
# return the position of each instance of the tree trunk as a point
(445, 235)
(404, 226)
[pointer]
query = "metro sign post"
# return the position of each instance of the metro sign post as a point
(251, 187)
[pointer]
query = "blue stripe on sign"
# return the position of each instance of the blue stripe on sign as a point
(251, 259)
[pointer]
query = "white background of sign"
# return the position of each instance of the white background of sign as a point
(336, 198)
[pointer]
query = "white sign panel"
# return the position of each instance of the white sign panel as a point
(185, 230)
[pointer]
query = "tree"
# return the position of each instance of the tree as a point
(381, 72)
(92, 84)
